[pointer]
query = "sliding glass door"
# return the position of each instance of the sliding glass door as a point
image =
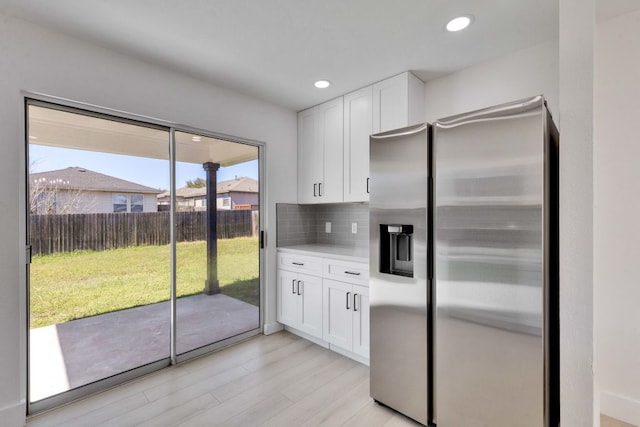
(217, 247)
(144, 248)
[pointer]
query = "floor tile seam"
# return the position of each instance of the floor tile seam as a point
(313, 397)
(316, 373)
(230, 358)
(221, 420)
(342, 400)
(330, 384)
(70, 422)
(264, 378)
(304, 346)
(182, 389)
(270, 377)
(197, 381)
(357, 413)
(291, 403)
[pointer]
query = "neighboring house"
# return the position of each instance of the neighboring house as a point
(238, 193)
(77, 190)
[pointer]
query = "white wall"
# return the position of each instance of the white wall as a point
(38, 60)
(617, 216)
(522, 74)
(577, 27)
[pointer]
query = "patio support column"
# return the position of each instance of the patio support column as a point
(211, 285)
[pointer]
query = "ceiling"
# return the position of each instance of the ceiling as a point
(60, 128)
(276, 49)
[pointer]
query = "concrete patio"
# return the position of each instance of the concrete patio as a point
(79, 352)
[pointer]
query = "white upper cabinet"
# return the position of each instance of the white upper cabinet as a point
(310, 155)
(333, 138)
(398, 102)
(331, 125)
(358, 125)
(320, 158)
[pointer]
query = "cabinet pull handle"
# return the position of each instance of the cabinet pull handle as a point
(367, 185)
(314, 190)
(348, 293)
(298, 263)
(354, 302)
(293, 284)
(299, 283)
(320, 189)
(354, 273)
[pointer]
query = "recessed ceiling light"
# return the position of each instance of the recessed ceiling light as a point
(322, 84)
(459, 23)
(196, 138)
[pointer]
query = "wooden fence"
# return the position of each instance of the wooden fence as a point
(67, 233)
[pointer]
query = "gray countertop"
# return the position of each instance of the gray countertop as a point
(337, 252)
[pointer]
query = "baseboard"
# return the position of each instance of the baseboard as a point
(14, 415)
(620, 407)
(272, 328)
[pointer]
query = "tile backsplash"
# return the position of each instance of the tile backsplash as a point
(306, 224)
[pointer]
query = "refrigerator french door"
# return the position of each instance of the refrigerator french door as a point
(496, 270)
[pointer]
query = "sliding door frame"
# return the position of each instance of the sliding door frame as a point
(46, 101)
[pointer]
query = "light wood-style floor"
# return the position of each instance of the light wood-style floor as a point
(277, 380)
(612, 422)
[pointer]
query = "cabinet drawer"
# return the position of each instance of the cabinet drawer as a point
(345, 271)
(300, 263)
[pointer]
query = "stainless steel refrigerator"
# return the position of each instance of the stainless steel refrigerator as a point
(471, 250)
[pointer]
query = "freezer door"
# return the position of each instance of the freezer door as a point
(398, 270)
(489, 272)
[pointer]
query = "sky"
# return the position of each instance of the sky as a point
(150, 172)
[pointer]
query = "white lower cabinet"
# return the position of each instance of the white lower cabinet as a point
(346, 320)
(312, 301)
(300, 302)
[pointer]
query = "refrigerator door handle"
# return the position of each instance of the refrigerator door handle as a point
(512, 108)
(405, 132)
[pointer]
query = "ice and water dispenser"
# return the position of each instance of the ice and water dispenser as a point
(396, 249)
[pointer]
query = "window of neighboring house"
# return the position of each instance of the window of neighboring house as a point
(119, 203)
(226, 200)
(137, 204)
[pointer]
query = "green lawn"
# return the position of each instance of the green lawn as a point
(73, 285)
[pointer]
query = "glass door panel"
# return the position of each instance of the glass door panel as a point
(99, 281)
(217, 243)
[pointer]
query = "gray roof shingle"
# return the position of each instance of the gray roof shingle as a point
(77, 178)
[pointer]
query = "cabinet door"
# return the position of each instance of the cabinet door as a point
(287, 298)
(310, 156)
(337, 324)
(331, 134)
(391, 103)
(358, 125)
(361, 321)
(310, 305)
